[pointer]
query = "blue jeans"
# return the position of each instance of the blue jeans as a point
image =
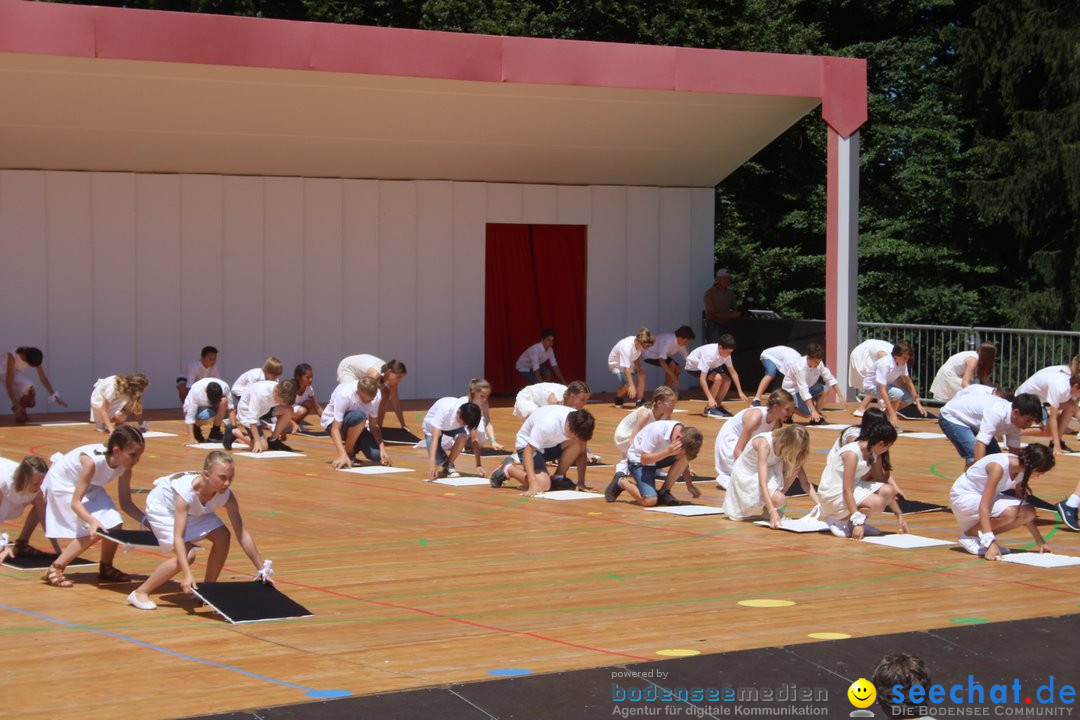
(963, 439)
(440, 454)
(645, 475)
(896, 393)
(541, 459)
(365, 443)
(205, 413)
(815, 392)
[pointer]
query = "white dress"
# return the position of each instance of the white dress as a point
(161, 509)
(355, 367)
(59, 487)
(728, 437)
(950, 376)
(831, 489)
(104, 393)
(743, 498)
(21, 379)
(967, 491)
(862, 360)
(12, 502)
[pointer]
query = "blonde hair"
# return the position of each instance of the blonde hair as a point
(132, 387)
(478, 385)
(286, 390)
(1074, 365)
(645, 337)
(791, 443)
(660, 394)
(272, 366)
(217, 457)
(779, 397)
(26, 469)
(367, 385)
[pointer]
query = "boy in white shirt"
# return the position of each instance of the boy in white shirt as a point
(553, 433)
(450, 416)
(805, 377)
(204, 367)
(663, 351)
(1059, 391)
(208, 400)
(270, 370)
(890, 382)
(661, 444)
(711, 365)
(352, 418)
(973, 420)
(624, 362)
(263, 401)
(531, 362)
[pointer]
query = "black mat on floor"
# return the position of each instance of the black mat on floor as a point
(313, 433)
(1036, 501)
(252, 601)
(1028, 651)
(41, 562)
(914, 507)
(134, 538)
(912, 413)
(796, 490)
(399, 436)
(491, 452)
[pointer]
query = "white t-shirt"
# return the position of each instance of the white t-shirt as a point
(105, 393)
(886, 372)
(666, 346)
(1051, 385)
(257, 400)
(799, 377)
(707, 357)
(12, 502)
(623, 355)
(531, 397)
(197, 371)
(253, 375)
(974, 479)
(989, 415)
(545, 428)
(651, 438)
(862, 360)
(196, 398)
(344, 400)
(355, 367)
(443, 415)
(535, 356)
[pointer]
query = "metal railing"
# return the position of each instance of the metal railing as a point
(1020, 352)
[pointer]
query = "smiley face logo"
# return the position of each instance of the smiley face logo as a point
(862, 693)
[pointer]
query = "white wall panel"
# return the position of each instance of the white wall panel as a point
(361, 280)
(606, 321)
(400, 296)
(241, 342)
(320, 267)
(574, 204)
(282, 266)
(435, 284)
(201, 275)
(539, 204)
(114, 256)
(470, 240)
(312, 270)
(674, 266)
(504, 203)
(70, 281)
(157, 312)
(24, 291)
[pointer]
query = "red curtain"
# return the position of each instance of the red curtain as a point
(534, 278)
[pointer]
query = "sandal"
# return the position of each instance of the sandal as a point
(24, 549)
(109, 573)
(54, 576)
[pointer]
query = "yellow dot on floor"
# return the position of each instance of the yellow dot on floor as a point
(596, 513)
(829, 636)
(311, 474)
(678, 652)
(152, 457)
(766, 603)
(449, 494)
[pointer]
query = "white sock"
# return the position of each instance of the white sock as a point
(1073, 501)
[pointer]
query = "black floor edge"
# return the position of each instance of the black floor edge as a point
(1022, 655)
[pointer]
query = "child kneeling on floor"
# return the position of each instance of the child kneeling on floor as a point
(663, 444)
(181, 510)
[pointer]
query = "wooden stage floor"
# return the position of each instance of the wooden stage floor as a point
(416, 584)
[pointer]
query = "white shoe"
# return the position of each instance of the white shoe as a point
(722, 483)
(840, 528)
(148, 605)
(857, 413)
(972, 545)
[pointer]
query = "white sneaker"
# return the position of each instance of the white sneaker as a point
(148, 605)
(722, 483)
(971, 544)
(840, 528)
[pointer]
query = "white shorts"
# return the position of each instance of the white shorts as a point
(966, 508)
(62, 522)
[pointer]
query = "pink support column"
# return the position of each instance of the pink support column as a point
(842, 253)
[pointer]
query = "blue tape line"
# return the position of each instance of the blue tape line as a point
(311, 692)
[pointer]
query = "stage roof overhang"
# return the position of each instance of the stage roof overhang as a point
(91, 88)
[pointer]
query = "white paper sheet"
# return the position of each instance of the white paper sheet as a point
(462, 481)
(271, 454)
(906, 542)
(1043, 560)
(376, 470)
(805, 524)
(217, 446)
(922, 435)
(569, 495)
(155, 433)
